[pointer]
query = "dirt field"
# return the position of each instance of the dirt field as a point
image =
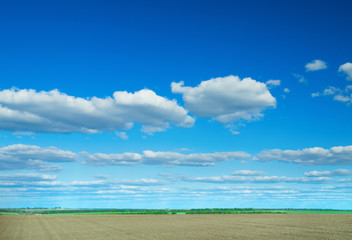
(240, 226)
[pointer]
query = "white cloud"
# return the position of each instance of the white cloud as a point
(53, 111)
(233, 127)
(286, 90)
(272, 83)
(226, 99)
(342, 98)
(331, 91)
(28, 177)
(300, 78)
(121, 135)
(48, 181)
(257, 179)
(334, 173)
(234, 132)
(102, 159)
(337, 93)
(316, 94)
(247, 173)
(240, 187)
(101, 176)
(182, 150)
(21, 156)
(114, 182)
(347, 69)
(316, 65)
(161, 158)
(310, 156)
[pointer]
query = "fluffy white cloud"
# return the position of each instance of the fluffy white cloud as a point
(316, 65)
(310, 156)
(334, 173)
(347, 69)
(271, 83)
(226, 99)
(21, 156)
(286, 90)
(53, 111)
(161, 158)
(247, 173)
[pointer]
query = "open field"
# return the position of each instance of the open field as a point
(202, 226)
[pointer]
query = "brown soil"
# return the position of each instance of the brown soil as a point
(241, 226)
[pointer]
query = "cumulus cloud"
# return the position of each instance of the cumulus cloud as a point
(247, 173)
(161, 158)
(340, 95)
(273, 83)
(53, 111)
(339, 155)
(226, 99)
(316, 65)
(334, 173)
(346, 69)
(21, 156)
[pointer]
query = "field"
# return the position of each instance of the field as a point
(187, 226)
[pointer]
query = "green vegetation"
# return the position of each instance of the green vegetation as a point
(319, 211)
(59, 211)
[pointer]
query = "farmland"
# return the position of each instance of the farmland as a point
(186, 226)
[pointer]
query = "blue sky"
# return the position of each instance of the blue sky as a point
(175, 104)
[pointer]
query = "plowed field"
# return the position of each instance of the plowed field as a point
(237, 226)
